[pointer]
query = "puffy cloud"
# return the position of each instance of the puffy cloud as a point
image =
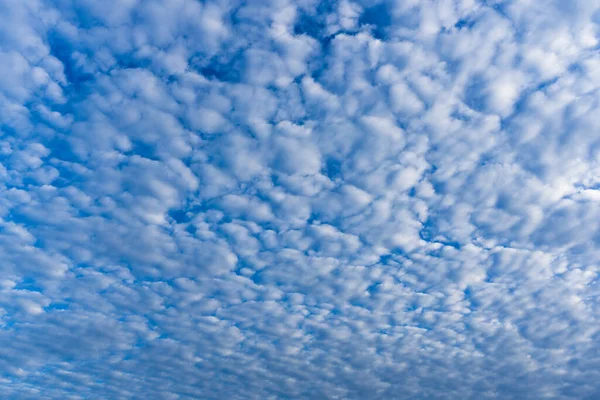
(299, 199)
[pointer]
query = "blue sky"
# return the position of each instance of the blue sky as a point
(277, 199)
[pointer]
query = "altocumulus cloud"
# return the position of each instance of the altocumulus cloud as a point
(299, 199)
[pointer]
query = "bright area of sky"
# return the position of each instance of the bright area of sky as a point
(294, 199)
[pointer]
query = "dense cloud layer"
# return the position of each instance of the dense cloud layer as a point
(299, 199)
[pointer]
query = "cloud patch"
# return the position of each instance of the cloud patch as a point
(246, 199)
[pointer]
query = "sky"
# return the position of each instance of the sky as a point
(299, 199)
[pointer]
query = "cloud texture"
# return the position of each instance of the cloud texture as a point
(284, 199)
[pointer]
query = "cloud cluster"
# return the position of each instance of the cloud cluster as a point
(305, 199)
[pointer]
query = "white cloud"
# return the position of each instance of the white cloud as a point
(246, 199)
